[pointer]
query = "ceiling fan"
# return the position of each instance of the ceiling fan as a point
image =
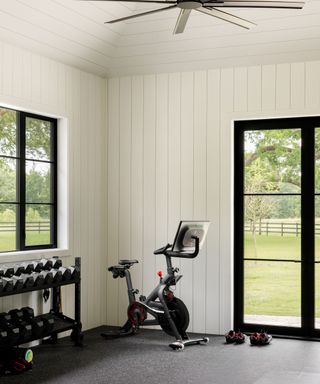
(209, 7)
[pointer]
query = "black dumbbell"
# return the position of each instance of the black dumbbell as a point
(66, 273)
(28, 280)
(57, 275)
(17, 283)
(18, 269)
(28, 267)
(37, 266)
(56, 262)
(6, 284)
(47, 276)
(36, 323)
(38, 279)
(24, 327)
(13, 332)
(46, 264)
(75, 272)
(6, 271)
(3, 337)
(48, 323)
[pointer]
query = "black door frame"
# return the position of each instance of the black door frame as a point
(307, 126)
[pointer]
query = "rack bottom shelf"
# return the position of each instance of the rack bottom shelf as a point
(61, 324)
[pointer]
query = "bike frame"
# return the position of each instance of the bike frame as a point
(153, 307)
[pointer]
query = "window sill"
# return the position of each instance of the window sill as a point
(12, 257)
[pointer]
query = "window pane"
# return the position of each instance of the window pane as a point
(7, 132)
(317, 296)
(272, 293)
(7, 179)
(317, 160)
(37, 182)
(317, 228)
(7, 227)
(272, 161)
(38, 139)
(272, 227)
(38, 218)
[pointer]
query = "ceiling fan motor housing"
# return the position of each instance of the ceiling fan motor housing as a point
(189, 4)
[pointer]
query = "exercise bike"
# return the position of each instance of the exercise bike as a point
(167, 310)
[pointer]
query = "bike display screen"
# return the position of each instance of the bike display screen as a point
(184, 240)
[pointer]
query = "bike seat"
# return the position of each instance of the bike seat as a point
(128, 262)
(116, 267)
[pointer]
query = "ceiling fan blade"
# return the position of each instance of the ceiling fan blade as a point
(255, 4)
(182, 21)
(140, 14)
(227, 17)
(137, 1)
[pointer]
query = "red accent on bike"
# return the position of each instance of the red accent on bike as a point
(160, 274)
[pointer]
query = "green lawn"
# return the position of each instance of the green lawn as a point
(8, 239)
(273, 288)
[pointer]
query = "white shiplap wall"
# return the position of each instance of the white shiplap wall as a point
(170, 146)
(34, 83)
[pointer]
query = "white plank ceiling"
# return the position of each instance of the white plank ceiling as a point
(73, 32)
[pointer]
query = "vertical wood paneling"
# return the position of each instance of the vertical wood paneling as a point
(241, 89)
(91, 221)
(124, 185)
(268, 87)
(113, 197)
(84, 201)
(7, 74)
(226, 262)
(34, 83)
(149, 181)
(35, 78)
(200, 195)
(137, 180)
(162, 161)
(182, 167)
(213, 206)
(174, 149)
(283, 86)
(254, 88)
(312, 84)
(186, 197)
(297, 85)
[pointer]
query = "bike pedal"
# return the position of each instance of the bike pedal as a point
(142, 298)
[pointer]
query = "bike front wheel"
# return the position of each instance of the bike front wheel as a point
(180, 316)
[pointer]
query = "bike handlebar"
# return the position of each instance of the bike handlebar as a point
(165, 251)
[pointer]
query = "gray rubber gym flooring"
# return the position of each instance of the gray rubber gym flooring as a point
(147, 359)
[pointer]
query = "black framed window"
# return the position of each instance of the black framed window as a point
(28, 181)
(277, 226)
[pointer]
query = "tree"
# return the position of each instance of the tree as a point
(280, 152)
(258, 207)
(38, 147)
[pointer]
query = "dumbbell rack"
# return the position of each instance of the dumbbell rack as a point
(62, 323)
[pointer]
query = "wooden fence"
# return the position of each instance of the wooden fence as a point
(34, 226)
(266, 228)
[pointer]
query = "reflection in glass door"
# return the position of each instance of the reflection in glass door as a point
(277, 226)
(272, 226)
(317, 228)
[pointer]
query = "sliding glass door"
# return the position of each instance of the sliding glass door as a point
(277, 205)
